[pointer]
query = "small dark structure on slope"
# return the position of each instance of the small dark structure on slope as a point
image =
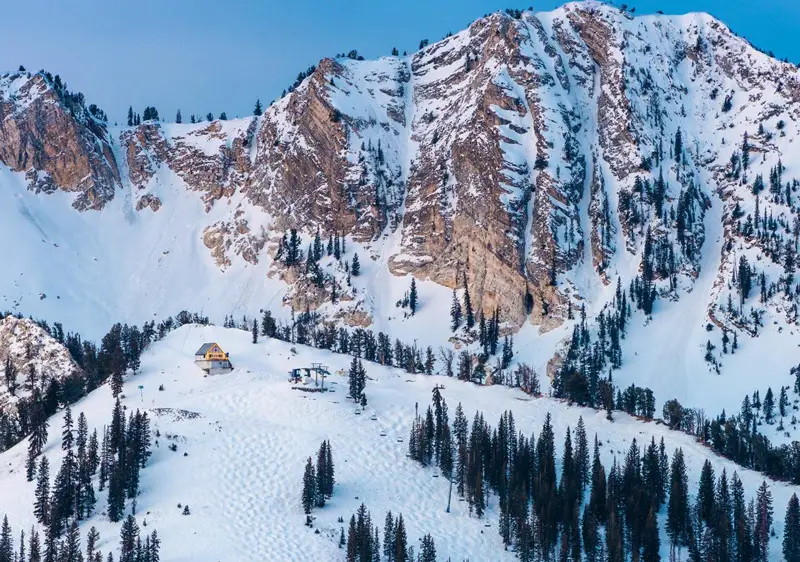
(313, 376)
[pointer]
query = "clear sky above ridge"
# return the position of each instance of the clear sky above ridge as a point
(210, 56)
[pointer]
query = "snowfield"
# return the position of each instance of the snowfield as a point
(242, 440)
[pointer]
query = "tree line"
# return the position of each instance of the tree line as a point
(586, 511)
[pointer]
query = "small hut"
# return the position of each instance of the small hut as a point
(212, 359)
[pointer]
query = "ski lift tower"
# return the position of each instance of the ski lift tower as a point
(320, 370)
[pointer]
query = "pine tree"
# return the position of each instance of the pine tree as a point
(470, 317)
(455, 313)
(6, 542)
(400, 541)
(356, 379)
(651, 542)
(71, 547)
(308, 497)
(258, 110)
(678, 146)
(128, 537)
(178, 117)
(255, 331)
(783, 402)
(30, 462)
(116, 492)
(581, 455)
(66, 434)
(91, 543)
(769, 406)
(34, 547)
(355, 268)
(427, 549)
(41, 505)
(388, 537)
(597, 497)
(155, 547)
(115, 381)
(791, 531)
(320, 473)
(412, 297)
(763, 520)
(330, 475)
(130, 116)
(705, 494)
(678, 506)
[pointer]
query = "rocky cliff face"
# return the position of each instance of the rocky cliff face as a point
(534, 156)
(33, 355)
(47, 132)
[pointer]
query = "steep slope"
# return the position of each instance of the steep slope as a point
(242, 439)
(542, 160)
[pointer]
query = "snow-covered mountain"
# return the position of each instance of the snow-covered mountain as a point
(552, 161)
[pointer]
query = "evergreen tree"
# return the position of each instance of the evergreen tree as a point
(355, 268)
(455, 313)
(128, 537)
(705, 494)
(178, 117)
(34, 547)
(66, 434)
(678, 506)
(71, 546)
(357, 379)
(651, 542)
(41, 505)
(255, 331)
(6, 542)
(130, 116)
(258, 110)
(389, 537)
(412, 297)
(469, 315)
(308, 497)
(769, 406)
(597, 497)
(91, 543)
(400, 541)
(427, 549)
(581, 455)
(791, 531)
(321, 474)
(763, 521)
(783, 402)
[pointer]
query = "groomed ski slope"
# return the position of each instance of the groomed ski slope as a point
(239, 462)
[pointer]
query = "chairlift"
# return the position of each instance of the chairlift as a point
(358, 412)
(383, 434)
(435, 475)
(374, 418)
(399, 439)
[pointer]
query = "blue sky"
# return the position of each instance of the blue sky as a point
(204, 55)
